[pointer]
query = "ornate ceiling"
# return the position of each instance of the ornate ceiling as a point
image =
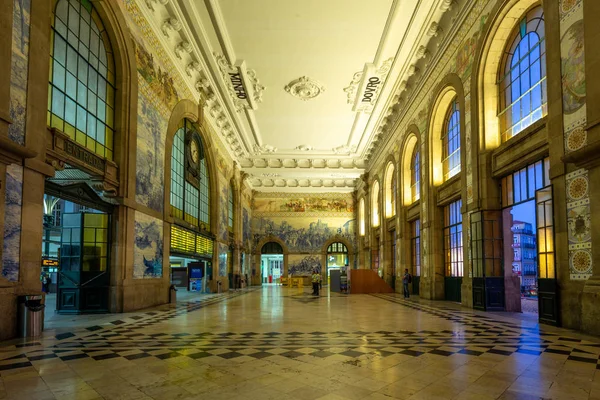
(300, 90)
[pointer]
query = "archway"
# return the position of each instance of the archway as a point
(271, 263)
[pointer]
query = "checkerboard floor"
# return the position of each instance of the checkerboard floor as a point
(283, 343)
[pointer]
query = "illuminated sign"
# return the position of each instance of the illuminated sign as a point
(50, 263)
(189, 242)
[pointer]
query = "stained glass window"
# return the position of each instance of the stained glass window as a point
(81, 92)
(415, 175)
(522, 76)
(451, 142)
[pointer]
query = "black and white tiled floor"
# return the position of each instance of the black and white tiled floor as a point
(282, 343)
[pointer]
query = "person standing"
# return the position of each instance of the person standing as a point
(406, 279)
(316, 280)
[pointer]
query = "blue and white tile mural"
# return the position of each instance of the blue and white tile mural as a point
(19, 69)
(303, 265)
(12, 222)
(151, 131)
(222, 259)
(304, 234)
(148, 247)
(223, 210)
(246, 228)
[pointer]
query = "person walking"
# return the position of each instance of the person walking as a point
(406, 279)
(316, 280)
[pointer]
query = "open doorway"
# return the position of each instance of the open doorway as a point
(76, 248)
(521, 221)
(337, 257)
(271, 263)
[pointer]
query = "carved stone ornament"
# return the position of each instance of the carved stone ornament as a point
(192, 67)
(304, 88)
(171, 24)
(304, 147)
(344, 149)
(183, 48)
(365, 86)
(265, 148)
(150, 3)
(242, 83)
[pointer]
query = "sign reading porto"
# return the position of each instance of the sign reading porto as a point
(242, 83)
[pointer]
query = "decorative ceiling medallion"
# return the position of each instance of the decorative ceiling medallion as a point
(304, 88)
(366, 86)
(242, 83)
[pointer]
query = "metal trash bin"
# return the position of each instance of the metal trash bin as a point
(30, 315)
(173, 294)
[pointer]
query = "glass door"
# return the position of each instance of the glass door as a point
(547, 285)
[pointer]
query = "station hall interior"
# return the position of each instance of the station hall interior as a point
(299, 199)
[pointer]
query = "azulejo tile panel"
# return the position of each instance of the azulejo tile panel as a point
(12, 222)
(148, 247)
(579, 220)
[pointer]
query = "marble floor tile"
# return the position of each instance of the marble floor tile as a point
(281, 343)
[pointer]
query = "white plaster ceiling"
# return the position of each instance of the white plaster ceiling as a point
(280, 140)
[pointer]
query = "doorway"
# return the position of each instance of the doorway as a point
(529, 239)
(76, 247)
(271, 263)
(337, 257)
(453, 251)
(190, 273)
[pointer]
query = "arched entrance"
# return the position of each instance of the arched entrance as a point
(337, 257)
(271, 263)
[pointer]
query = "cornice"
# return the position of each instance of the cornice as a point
(441, 34)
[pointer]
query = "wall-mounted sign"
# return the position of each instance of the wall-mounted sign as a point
(366, 85)
(83, 155)
(242, 83)
(50, 263)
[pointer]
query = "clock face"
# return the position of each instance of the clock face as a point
(194, 151)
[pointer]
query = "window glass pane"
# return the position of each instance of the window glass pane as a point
(80, 80)
(522, 96)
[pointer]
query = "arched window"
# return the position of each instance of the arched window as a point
(390, 191)
(522, 76)
(190, 183)
(361, 217)
(230, 208)
(451, 142)
(81, 93)
(415, 175)
(375, 204)
(337, 256)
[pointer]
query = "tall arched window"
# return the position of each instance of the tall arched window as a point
(522, 75)
(390, 191)
(451, 142)
(81, 93)
(361, 217)
(375, 204)
(230, 209)
(415, 175)
(190, 183)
